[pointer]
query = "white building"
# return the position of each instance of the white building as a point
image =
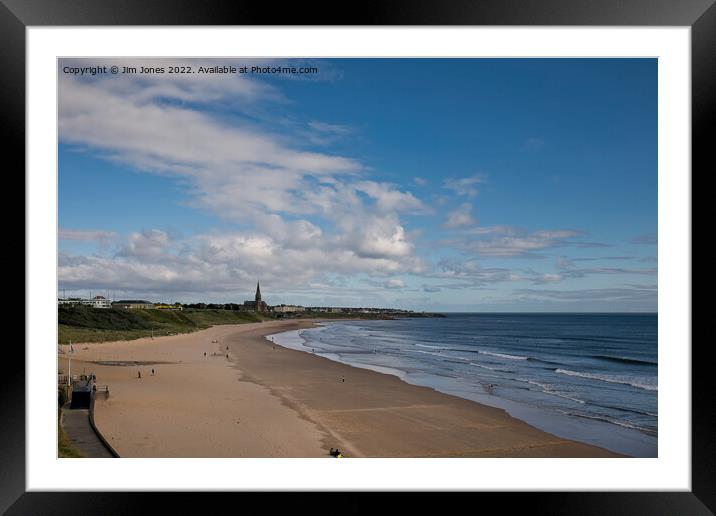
(97, 302)
(288, 308)
(69, 301)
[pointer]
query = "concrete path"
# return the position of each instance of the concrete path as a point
(77, 427)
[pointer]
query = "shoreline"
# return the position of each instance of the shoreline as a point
(603, 433)
(278, 402)
(532, 442)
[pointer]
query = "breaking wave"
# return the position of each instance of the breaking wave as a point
(648, 384)
(624, 360)
(504, 355)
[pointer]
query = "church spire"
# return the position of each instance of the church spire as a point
(258, 293)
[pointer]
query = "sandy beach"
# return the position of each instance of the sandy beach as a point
(264, 400)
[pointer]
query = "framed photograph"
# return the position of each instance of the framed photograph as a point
(450, 246)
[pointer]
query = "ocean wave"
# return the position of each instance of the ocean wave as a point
(502, 370)
(504, 355)
(426, 352)
(558, 340)
(464, 359)
(624, 360)
(547, 389)
(649, 431)
(430, 347)
(565, 396)
(624, 409)
(648, 384)
(542, 386)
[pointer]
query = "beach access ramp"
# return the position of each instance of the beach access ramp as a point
(78, 419)
(77, 426)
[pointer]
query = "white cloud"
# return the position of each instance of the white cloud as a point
(148, 243)
(599, 294)
(232, 169)
(548, 278)
(465, 186)
(461, 217)
(646, 239)
(322, 133)
(470, 273)
(227, 262)
(508, 241)
(375, 236)
(194, 87)
(388, 198)
(568, 269)
(299, 234)
(85, 235)
(563, 263)
(311, 213)
(324, 127)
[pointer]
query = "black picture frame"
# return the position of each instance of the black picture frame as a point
(699, 15)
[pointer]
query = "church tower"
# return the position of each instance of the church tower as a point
(259, 305)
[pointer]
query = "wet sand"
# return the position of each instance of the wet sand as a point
(268, 401)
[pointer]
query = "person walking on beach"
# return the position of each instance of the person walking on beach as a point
(139, 374)
(152, 371)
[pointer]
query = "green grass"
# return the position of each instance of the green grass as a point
(86, 324)
(64, 445)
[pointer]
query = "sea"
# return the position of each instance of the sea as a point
(587, 377)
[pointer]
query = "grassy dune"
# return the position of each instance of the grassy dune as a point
(85, 324)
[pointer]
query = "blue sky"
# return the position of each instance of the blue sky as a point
(428, 184)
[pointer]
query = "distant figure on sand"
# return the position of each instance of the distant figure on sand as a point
(139, 374)
(204, 353)
(152, 371)
(343, 378)
(335, 453)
